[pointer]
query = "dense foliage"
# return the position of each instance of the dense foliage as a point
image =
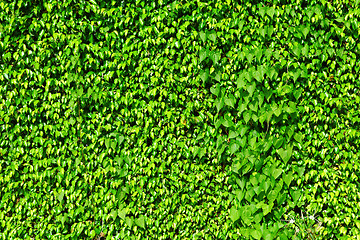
(179, 119)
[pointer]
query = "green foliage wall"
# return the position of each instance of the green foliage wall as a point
(179, 119)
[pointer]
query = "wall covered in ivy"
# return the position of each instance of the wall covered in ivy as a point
(179, 119)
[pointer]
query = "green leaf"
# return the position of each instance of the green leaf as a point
(196, 150)
(113, 145)
(285, 154)
(247, 76)
(72, 121)
(297, 50)
(295, 194)
(297, 94)
(239, 194)
(256, 234)
(277, 172)
(305, 30)
(120, 139)
(262, 32)
(61, 195)
(129, 221)
(203, 36)
(297, 74)
(257, 76)
(218, 76)
(203, 54)
(212, 36)
(246, 214)
(258, 53)
(262, 11)
(272, 74)
(277, 144)
(247, 116)
(233, 134)
(298, 137)
(215, 56)
(177, 44)
(305, 50)
(309, 12)
(204, 75)
(288, 179)
(215, 89)
(270, 11)
(249, 57)
(251, 89)
(202, 152)
(122, 214)
(230, 101)
(140, 221)
(113, 214)
(267, 207)
(234, 147)
(277, 110)
(219, 103)
(241, 82)
(107, 143)
(234, 214)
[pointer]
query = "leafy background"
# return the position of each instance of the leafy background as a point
(179, 119)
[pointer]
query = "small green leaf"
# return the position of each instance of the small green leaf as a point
(256, 234)
(277, 111)
(230, 101)
(277, 172)
(288, 178)
(234, 214)
(113, 214)
(113, 145)
(203, 54)
(285, 154)
(233, 134)
(219, 103)
(270, 11)
(257, 76)
(202, 152)
(297, 94)
(262, 11)
(267, 207)
(107, 143)
(215, 89)
(129, 222)
(177, 44)
(247, 116)
(241, 82)
(305, 30)
(204, 75)
(212, 36)
(247, 76)
(239, 194)
(120, 139)
(298, 137)
(61, 195)
(234, 147)
(295, 194)
(72, 121)
(140, 221)
(122, 213)
(215, 56)
(251, 89)
(203, 36)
